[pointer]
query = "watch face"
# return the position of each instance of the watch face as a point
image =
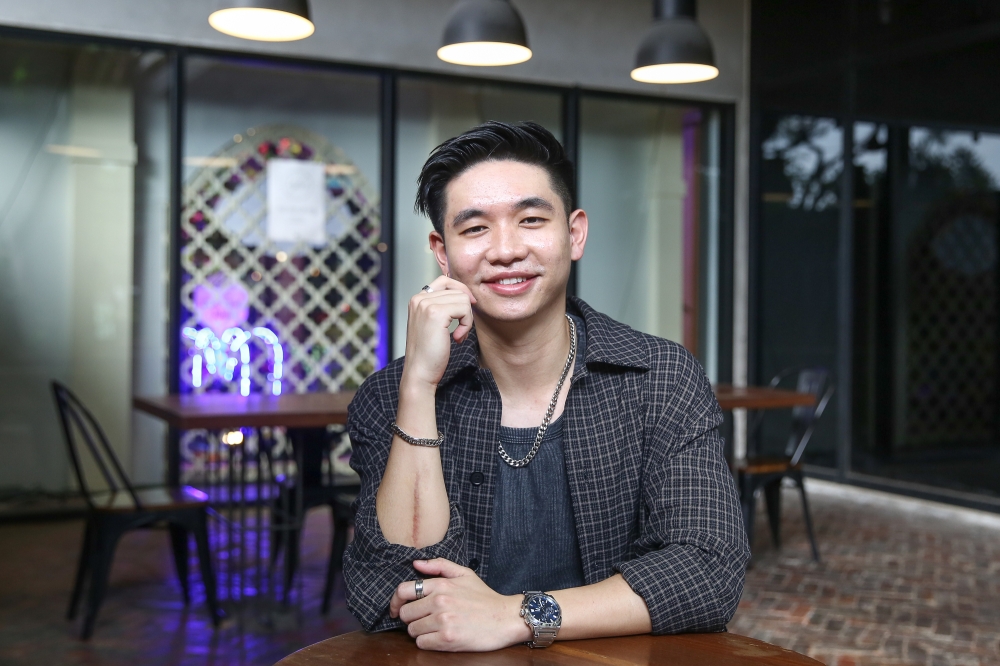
(543, 610)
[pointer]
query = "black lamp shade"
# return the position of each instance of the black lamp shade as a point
(484, 32)
(263, 20)
(297, 7)
(675, 49)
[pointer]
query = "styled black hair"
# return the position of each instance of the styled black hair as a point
(525, 142)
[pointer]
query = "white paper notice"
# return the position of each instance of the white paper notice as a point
(296, 201)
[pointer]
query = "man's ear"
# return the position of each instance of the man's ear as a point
(437, 247)
(578, 225)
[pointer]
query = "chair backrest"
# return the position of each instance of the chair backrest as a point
(804, 418)
(815, 380)
(79, 425)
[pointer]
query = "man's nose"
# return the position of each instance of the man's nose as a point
(508, 245)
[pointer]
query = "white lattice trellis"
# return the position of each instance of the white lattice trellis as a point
(321, 301)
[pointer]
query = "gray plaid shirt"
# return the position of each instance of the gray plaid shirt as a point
(652, 495)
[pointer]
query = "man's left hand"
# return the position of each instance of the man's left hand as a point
(458, 612)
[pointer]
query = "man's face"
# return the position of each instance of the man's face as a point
(507, 237)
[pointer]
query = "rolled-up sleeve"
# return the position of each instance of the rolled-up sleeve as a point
(373, 567)
(690, 559)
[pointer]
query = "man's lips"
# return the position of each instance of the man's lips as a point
(516, 284)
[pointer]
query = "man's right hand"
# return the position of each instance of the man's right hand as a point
(428, 344)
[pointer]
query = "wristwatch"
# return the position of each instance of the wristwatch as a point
(542, 613)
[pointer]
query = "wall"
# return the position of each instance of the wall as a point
(101, 284)
(632, 187)
(586, 42)
(66, 248)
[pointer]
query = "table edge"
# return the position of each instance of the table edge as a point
(685, 637)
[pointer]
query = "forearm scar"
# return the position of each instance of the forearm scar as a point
(416, 511)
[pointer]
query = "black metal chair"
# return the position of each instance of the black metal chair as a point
(112, 512)
(286, 533)
(757, 473)
(340, 500)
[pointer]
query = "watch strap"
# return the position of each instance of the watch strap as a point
(544, 636)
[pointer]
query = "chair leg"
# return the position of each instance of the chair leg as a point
(772, 499)
(807, 516)
(81, 572)
(205, 564)
(277, 531)
(291, 561)
(341, 524)
(104, 538)
(179, 544)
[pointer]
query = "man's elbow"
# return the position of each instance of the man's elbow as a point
(711, 607)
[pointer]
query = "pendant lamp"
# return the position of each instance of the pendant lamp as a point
(484, 33)
(675, 48)
(263, 20)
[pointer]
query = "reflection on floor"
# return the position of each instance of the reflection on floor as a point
(902, 582)
(143, 619)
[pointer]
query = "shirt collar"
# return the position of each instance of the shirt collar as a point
(608, 342)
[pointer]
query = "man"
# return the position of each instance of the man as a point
(539, 471)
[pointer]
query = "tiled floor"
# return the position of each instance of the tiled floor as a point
(901, 582)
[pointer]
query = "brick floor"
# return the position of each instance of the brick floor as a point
(901, 582)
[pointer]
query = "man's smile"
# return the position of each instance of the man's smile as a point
(511, 283)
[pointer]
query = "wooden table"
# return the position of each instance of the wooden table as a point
(760, 397)
(306, 415)
(214, 411)
(396, 648)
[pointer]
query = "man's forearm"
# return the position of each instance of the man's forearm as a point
(608, 608)
(412, 502)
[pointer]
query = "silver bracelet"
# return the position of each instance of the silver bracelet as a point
(416, 441)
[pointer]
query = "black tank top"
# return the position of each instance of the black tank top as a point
(533, 545)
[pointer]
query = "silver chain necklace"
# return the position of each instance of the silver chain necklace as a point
(552, 405)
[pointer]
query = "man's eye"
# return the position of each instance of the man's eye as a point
(533, 220)
(472, 230)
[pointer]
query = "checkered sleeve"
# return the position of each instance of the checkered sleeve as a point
(690, 559)
(373, 567)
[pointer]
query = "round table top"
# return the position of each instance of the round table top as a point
(396, 648)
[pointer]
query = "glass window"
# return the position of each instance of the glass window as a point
(429, 113)
(280, 228)
(799, 220)
(926, 335)
(649, 181)
(83, 186)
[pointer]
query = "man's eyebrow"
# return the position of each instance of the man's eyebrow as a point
(533, 202)
(467, 214)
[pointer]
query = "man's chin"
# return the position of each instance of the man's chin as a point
(510, 310)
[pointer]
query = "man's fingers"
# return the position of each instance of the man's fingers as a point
(414, 610)
(396, 602)
(443, 283)
(430, 641)
(450, 305)
(405, 593)
(440, 567)
(425, 624)
(463, 328)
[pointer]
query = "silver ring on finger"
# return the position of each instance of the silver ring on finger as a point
(427, 289)
(418, 588)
